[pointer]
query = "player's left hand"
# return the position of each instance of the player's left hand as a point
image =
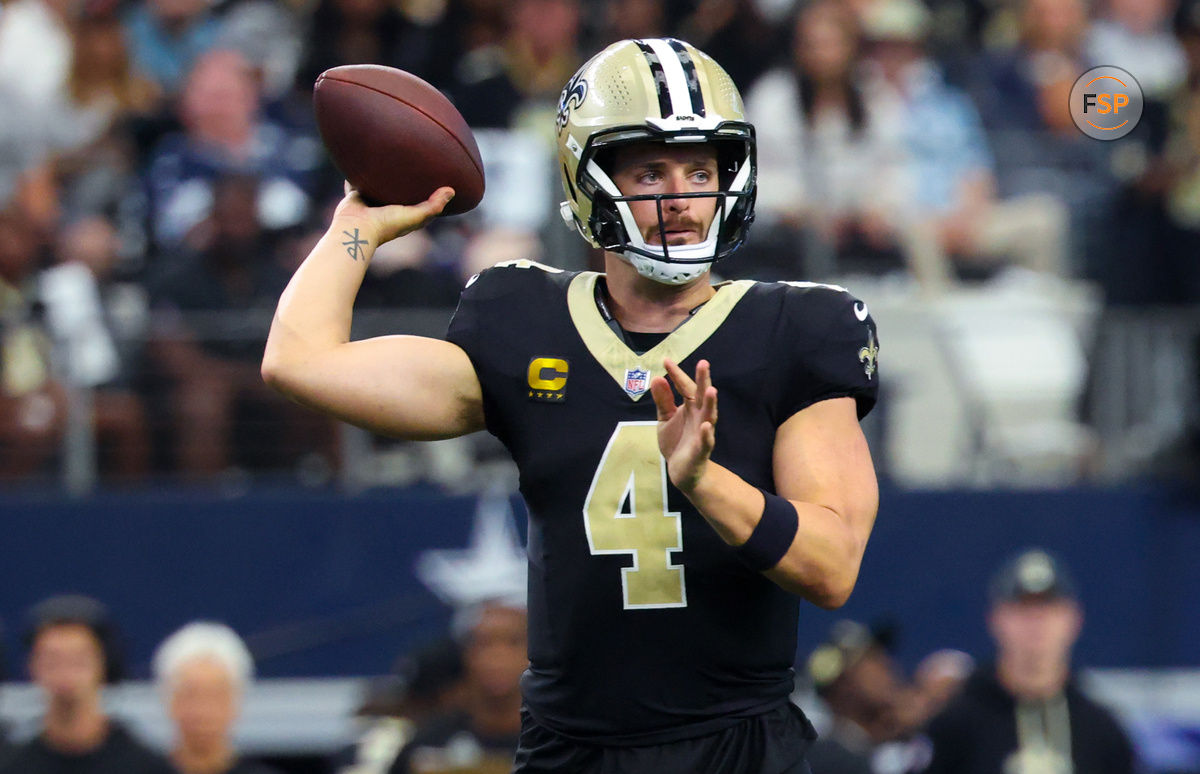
(686, 431)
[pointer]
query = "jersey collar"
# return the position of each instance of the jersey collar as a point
(615, 356)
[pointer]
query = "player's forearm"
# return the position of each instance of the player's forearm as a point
(822, 562)
(315, 310)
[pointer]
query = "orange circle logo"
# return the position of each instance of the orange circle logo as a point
(1106, 103)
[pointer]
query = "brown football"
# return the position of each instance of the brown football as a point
(396, 138)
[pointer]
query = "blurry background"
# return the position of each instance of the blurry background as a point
(1037, 294)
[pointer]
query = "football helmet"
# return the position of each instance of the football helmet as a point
(662, 90)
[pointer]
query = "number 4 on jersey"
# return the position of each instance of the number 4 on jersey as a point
(633, 470)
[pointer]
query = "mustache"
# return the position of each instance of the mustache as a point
(677, 224)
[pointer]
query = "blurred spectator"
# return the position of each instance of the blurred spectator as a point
(103, 90)
(481, 735)
(103, 113)
(1136, 34)
(736, 33)
(224, 133)
(820, 155)
(439, 36)
(343, 32)
(168, 37)
(1027, 87)
(425, 684)
(1022, 96)
(214, 311)
(869, 702)
(203, 671)
(72, 654)
(1026, 714)
(32, 403)
(101, 324)
(954, 225)
(498, 85)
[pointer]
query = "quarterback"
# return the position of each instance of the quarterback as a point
(670, 545)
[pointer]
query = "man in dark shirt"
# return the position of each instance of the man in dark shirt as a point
(481, 733)
(71, 656)
(1025, 713)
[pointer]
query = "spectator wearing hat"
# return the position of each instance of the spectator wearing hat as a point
(72, 654)
(869, 701)
(1025, 713)
(203, 670)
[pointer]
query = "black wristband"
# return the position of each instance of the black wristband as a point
(773, 535)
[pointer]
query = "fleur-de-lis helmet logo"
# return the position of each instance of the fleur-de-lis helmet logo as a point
(573, 95)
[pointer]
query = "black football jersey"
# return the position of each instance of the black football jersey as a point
(644, 627)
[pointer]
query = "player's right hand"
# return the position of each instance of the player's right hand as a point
(383, 224)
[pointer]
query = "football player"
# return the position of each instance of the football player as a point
(669, 549)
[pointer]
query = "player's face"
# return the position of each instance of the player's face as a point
(67, 661)
(657, 168)
(203, 703)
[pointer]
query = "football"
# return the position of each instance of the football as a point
(396, 138)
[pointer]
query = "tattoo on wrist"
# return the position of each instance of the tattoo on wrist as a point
(354, 245)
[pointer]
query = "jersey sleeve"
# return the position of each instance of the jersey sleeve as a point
(489, 324)
(834, 349)
(490, 295)
(480, 301)
(464, 324)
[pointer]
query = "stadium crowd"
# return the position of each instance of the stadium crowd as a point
(161, 176)
(454, 705)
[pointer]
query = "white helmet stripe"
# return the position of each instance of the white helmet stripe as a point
(677, 85)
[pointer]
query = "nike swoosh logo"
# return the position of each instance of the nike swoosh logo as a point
(860, 311)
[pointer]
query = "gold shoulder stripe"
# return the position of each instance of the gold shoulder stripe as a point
(612, 353)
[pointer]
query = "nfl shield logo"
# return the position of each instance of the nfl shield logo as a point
(637, 381)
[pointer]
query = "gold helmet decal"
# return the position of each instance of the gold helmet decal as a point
(662, 90)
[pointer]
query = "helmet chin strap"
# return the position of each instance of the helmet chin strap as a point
(661, 269)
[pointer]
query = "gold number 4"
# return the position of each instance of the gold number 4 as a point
(633, 469)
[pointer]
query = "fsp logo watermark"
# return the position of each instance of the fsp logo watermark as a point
(1106, 103)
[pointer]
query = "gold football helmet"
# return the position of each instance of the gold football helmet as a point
(663, 90)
